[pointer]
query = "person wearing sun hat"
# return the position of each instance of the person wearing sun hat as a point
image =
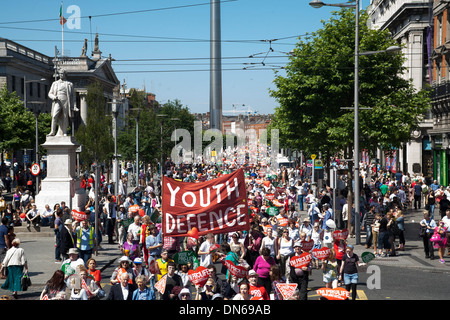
(66, 239)
(256, 289)
(300, 275)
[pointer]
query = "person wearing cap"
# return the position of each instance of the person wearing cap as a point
(124, 267)
(256, 290)
(138, 270)
(69, 266)
(185, 294)
(300, 275)
(306, 227)
(66, 239)
(349, 270)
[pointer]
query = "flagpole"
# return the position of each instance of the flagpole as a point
(62, 29)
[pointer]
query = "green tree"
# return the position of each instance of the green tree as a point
(17, 124)
(319, 84)
(96, 136)
(150, 128)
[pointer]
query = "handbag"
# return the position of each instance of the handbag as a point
(436, 237)
(422, 231)
(25, 282)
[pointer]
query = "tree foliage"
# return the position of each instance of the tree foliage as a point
(319, 83)
(17, 124)
(96, 136)
(150, 128)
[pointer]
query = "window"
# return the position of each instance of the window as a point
(438, 31)
(13, 83)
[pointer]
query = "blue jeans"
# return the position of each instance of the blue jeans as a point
(85, 255)
(300, 201)
(350, 278)
(369, 235)
(432, 206)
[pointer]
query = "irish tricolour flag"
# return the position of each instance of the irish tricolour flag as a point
(62, 20)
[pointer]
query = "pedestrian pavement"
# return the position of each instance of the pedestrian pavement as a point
(414, 255)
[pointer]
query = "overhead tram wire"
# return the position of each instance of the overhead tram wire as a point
(140, 37)
(121, 13)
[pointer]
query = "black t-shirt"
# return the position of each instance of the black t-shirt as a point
(444, 205)
(350, 263)
(383, 224)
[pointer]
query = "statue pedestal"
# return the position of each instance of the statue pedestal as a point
(61, 182)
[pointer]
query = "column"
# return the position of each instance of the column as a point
(83, 108)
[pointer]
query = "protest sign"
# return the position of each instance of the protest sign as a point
(301, 261)
(214, 206)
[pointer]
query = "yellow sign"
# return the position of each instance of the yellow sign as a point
(313, 156)
(213, 153)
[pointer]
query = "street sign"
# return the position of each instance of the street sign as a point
(26, 158)
(35, 169)
(318, 164)
(313, 156)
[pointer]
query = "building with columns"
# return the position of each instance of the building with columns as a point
(30, 74)
(410, 23)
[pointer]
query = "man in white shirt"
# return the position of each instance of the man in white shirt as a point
(204, 253)
(69, 266)
(135, 227)
(46, 216)
(33, 217)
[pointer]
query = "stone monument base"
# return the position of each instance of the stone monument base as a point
(61, 182)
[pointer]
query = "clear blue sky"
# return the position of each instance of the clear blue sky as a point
(177, 30)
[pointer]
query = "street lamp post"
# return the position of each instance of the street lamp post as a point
(319, 4)
(175, 132)
(137, 143)
(161, 116)
(115, 113)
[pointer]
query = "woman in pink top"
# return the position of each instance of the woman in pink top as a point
(262, 267)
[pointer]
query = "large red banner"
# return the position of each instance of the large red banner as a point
(213, 206)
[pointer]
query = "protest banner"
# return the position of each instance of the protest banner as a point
(286, 289)
(214, 206)
(161, 284)
(333, 294)
(322, 253)
(78, 215)
(340, 234)
(199, 276)
(237, 271)
(301, 261)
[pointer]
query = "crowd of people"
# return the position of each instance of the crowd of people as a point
(286, 211)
